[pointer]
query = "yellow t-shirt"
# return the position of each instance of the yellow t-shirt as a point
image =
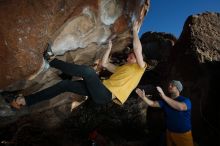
(124, 80)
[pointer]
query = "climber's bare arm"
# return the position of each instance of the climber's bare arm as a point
(137, 46)
(105, 60)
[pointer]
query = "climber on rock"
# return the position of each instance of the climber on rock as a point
(178, 113)
(118, 87)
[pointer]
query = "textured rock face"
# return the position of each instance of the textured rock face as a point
(203, 37)
(27, 26)
(195, 61)
(77, 31)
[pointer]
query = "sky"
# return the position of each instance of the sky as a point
(169, 15)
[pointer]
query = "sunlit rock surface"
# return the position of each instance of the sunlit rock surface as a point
(78, 32)
(27, 26)
(203, 36)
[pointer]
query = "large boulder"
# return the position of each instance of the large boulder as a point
(195, 60)
(26, 28)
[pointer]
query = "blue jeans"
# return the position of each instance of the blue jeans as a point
(90, 85)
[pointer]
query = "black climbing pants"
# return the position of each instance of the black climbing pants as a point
(90, 85)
